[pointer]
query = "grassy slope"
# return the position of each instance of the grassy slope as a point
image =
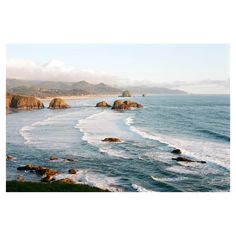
(15, 186)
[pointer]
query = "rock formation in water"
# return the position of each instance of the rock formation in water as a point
(103, 104)
(58, 103)
(125, 105)
(176, 151)
(184, 159)
(113, 140)
(47, 173)
(126, 93)
(23, 102)
(72, 171)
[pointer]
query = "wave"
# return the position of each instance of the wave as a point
(140, 188)
(209, 151)
(91, 178)
(215, 134)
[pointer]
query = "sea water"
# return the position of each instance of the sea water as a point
(199, 125)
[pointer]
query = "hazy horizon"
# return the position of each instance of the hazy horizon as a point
(194, 68)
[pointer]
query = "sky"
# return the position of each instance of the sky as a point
(195, 68)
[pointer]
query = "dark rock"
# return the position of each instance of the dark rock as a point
(72, 171)
(53, 158)
(113, 140)
(183, 159)
(65, 181)
(23, 102)
(203, 162)
(9, 158)
(103, 104)
(176, 151)
(70, 159)
(125, 105)
(58, 103)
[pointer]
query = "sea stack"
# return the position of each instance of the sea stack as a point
(23, 102)
(58, 103)
(125, 105)
(126, 93)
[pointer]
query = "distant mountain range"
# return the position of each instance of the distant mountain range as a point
(44, 89)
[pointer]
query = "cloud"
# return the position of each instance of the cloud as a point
(54, 70)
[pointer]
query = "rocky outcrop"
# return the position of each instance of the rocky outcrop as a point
(23, 102)
(103, 104)
(125, 105)
(126, 93)
(58, 103)
(65, 181)
(184, 159)
(72, 171)
(53, 158)
(176, 151)
(47, 173)
(9, 158)
(112, 140)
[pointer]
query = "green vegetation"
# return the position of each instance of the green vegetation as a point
(15, 186)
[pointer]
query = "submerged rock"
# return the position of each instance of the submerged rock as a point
(184, 159)
(72, 171)
(114, 140)
(70, 159)
(103, 104)
(58, 103)
(23, 102)
(176, 151)
(125, 105)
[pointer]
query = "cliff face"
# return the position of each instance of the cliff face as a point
(58, 103)
(23, 102)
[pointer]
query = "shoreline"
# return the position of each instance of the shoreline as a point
(82, 97)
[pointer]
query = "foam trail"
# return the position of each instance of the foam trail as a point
(105, 124)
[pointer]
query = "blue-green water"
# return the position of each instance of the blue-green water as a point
(198, 125)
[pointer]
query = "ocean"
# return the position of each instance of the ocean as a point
(199, 125)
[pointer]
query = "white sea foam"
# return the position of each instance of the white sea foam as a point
(175, 179)
(140, 188)
(25, 133)
(91, 178)
(102, 125)
(209, 151)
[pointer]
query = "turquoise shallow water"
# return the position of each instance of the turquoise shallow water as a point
(198, 125)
